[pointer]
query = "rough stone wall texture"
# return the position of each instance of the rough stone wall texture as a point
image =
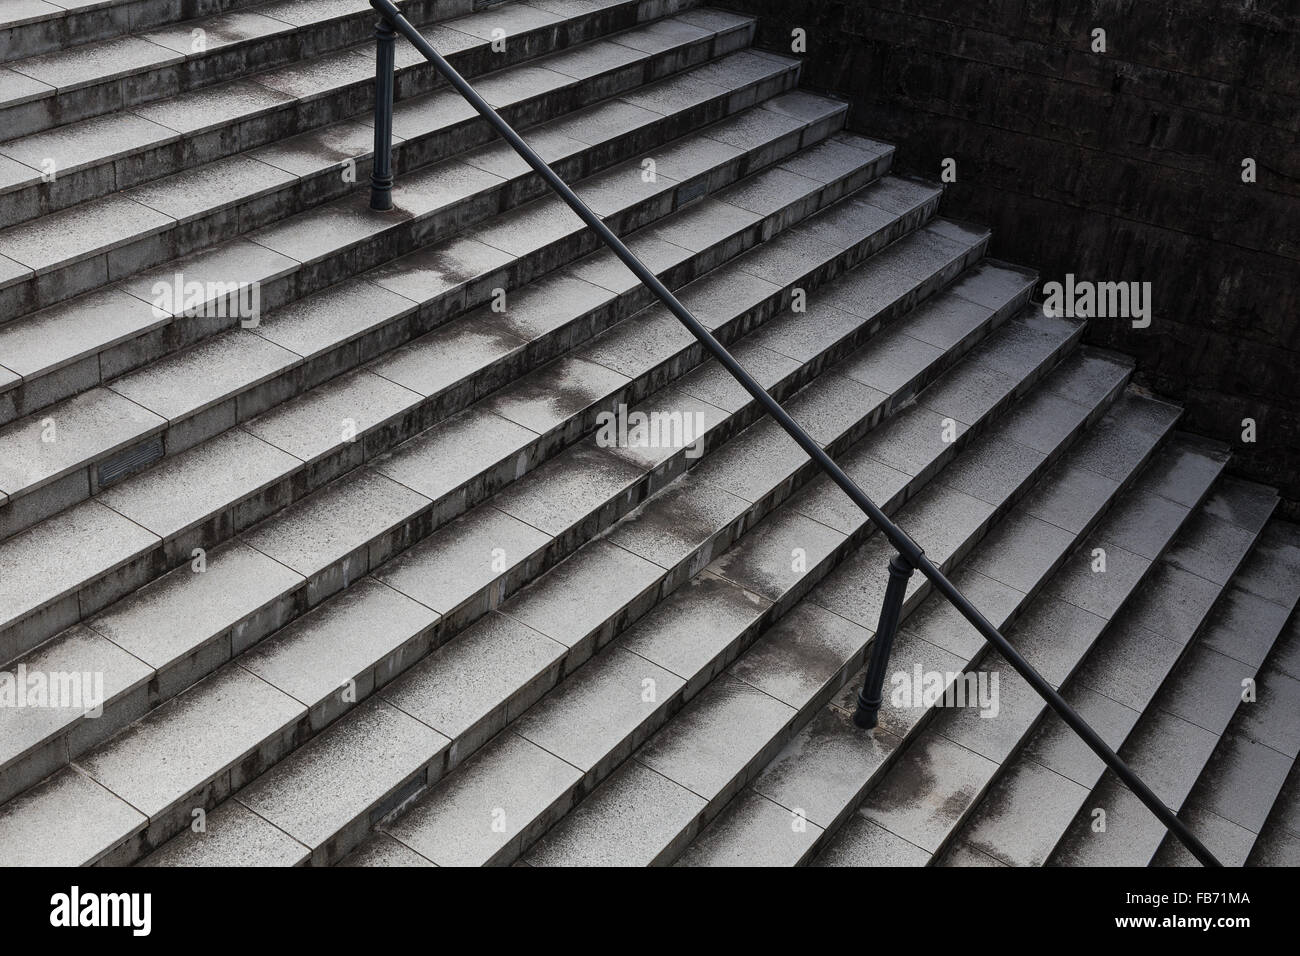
(1122, 166)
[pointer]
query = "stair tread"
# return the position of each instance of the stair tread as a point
(167, 386)
(40, 343)
(76, 816)
(95, 63)
(214, 725)
(176, 616)
(375, 750)
(142, 488)
(99, 139)
(117, 58)
(245, 839)
(27, 11)
(108, 541)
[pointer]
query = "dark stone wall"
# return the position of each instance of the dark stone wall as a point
(1116, 166)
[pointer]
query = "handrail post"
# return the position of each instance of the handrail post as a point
(381, 170)
(869, 698)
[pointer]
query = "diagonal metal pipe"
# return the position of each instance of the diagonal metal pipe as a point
(909, 551)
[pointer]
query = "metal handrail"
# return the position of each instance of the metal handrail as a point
(910, 556)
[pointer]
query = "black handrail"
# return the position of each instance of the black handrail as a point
(910, 555)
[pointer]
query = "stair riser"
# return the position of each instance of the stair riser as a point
(72, 29)
(245, 59)
(25, 510)
(83, 184)
(343, 842)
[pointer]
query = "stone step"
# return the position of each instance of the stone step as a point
(1279, 841)
(601, 714)
(829, 765)
(104, 240)
(1247, 773)
(157, 411)
(90, 340)
(122, 151)
(469, 685)
(1180, 729)
(455, 483)
(39, 600)
(330, 60)
(246, 593)
(919, 803)
(706, 757)
(1028, 809)
(140, 65)
(31, 27)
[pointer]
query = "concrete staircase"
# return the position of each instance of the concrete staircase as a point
(368, 578)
